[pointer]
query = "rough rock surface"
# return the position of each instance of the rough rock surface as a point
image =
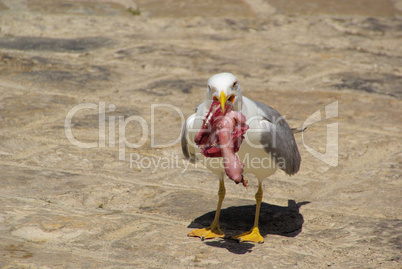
(130, 76)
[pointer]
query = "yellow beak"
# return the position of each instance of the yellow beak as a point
(222, 99)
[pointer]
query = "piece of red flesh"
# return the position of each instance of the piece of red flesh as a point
(221, 136)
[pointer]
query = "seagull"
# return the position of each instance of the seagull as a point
(268, 144)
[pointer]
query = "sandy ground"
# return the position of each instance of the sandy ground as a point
(122, 76)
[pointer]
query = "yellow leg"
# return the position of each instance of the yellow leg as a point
(214, 230)
(254, 234)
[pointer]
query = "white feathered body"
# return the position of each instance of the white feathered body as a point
(251, 153)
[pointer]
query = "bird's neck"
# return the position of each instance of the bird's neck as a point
(239, 104)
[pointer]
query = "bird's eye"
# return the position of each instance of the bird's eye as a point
(234, 84)
(232, 98)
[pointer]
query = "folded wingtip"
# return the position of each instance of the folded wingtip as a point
(298, 130)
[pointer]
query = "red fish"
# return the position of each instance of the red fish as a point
(221, 135)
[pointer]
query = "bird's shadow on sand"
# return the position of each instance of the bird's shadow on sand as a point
(279, 220)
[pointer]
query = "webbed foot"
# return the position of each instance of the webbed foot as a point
(252, 236)
(210, 232)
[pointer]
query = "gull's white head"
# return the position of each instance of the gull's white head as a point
(224, 87)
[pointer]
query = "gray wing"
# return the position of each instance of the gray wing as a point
(189, 155)
(280, 141)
